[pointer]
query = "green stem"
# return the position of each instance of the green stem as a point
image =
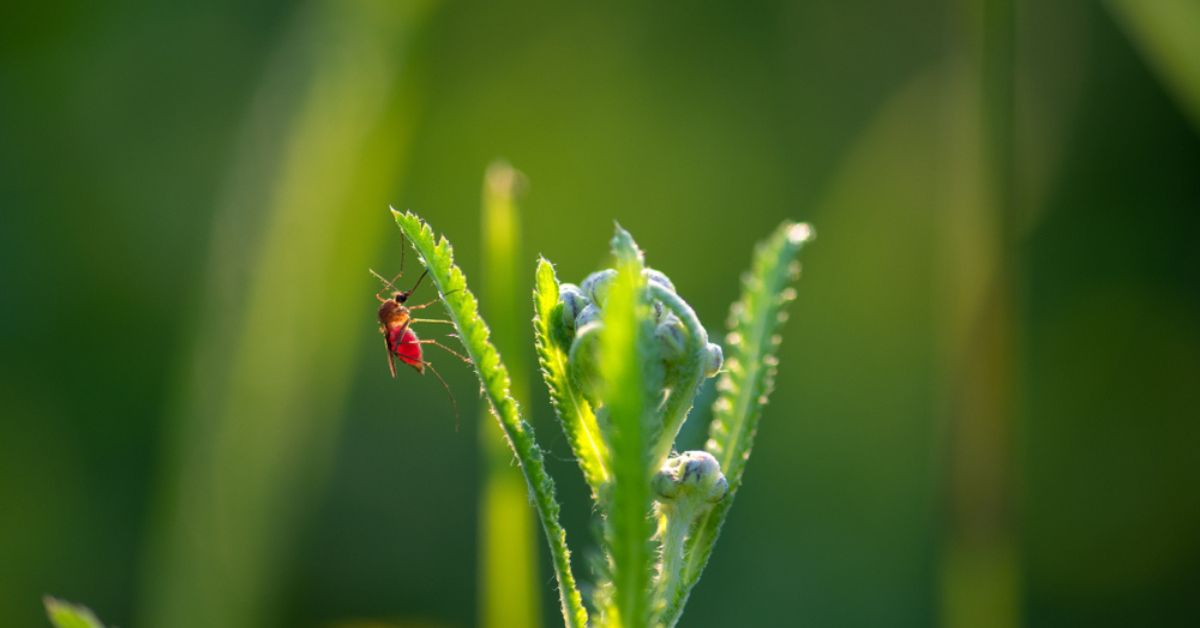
(679, 403)
(671, 576)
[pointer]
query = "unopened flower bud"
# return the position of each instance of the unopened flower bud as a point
(589, 314)
(597, 284)
(671, 336)
(692, 476)
(714, 358)
(570, 302)
(658, 277)
(583, 362)
(573, 300)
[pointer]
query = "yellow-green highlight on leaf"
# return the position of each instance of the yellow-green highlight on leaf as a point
(745, 384)
(1168, 33)
(574, 412)
(438, 257)
(67, 615)
(627, 376)
(509, 586)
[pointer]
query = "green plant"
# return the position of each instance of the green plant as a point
(623, 357)
(67, 615)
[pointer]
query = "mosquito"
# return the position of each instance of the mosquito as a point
(396, 322)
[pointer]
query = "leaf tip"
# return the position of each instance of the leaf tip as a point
(64, 614)
(799, 233)
(624, 247)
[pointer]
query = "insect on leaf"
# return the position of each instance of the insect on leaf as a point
(438, 257)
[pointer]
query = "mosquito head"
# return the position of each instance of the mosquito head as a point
(401, 297)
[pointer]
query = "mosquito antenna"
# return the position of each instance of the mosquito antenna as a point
(403, 245)
(419, 280)
(453, 401)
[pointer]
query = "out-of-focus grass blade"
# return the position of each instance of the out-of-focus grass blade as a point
(1168, 33)
(255, 419)
(508, 581)
(438, 257)
(67, 615)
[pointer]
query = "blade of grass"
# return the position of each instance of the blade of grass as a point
(254, 422)
(508, 587)
(744, 386)
(629, 402)
(463, 309)
(979, 563)
(1167, 32)
(67, 615)
(574, 412)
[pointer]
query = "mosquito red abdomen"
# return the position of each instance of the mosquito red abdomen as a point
(404, 344)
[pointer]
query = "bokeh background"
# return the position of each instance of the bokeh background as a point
(988, 411)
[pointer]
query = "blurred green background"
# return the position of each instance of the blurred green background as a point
(988, 411)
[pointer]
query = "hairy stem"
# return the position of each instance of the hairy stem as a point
(679, 403)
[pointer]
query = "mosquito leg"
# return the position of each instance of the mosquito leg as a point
(424, 305)
(430, 341)
(453, 401)
(432, 320)
(391, 360)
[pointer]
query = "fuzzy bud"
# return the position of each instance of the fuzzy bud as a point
(714, 358)
(589, 314)
(691, 478)
(597, 284)
(573, 300)
(671, 336)
(583, 362)
(658, 277)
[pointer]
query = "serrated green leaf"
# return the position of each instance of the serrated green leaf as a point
(627, 368)
(67, 615)
(574, 412)
(438, 257)
(745, 384)
(752, 344)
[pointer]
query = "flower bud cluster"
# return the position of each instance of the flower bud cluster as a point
(692, 476)
(582, 323)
